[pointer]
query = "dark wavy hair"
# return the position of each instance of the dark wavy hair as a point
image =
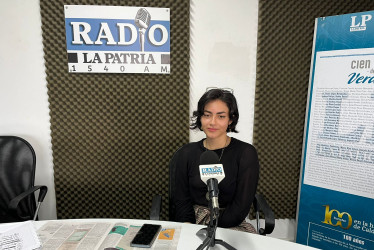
(212, 95)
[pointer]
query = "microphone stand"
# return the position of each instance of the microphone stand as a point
(211, 233)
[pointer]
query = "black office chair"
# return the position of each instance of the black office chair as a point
(17, 174)
(261, 207)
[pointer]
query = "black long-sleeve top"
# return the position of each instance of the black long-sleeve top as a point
(236, 190)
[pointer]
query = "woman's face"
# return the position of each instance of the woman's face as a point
(215, 120)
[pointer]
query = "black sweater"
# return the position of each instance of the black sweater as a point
(236, 190)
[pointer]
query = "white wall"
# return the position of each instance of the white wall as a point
(223, 54)
(23, 90)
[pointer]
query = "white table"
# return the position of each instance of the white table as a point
(188, 239)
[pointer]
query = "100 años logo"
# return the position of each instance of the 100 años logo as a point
(335, 218)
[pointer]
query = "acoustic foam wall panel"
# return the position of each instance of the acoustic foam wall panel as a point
(285, 40)
(113, 134)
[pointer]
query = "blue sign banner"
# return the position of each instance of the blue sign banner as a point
(336, 196)
(349, 31)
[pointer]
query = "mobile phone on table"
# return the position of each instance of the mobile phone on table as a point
(146, 236)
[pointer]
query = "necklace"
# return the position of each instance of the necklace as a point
(223, 149)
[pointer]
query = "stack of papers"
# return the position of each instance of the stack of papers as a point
(70, 235)
(21, 235)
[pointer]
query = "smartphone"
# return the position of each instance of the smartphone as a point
(146, 236)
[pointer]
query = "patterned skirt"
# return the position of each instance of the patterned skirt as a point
(202, 215)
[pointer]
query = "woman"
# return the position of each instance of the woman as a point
(216, 115)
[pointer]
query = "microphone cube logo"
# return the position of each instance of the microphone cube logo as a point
(211, 171)
(117, 39)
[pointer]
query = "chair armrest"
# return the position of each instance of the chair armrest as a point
(156, 208)
(13, 204)
(261, 205)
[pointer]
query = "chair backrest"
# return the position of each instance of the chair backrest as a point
(17, 174)
(172, 168)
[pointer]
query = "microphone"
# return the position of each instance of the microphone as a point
(211, 173)
(142, 20)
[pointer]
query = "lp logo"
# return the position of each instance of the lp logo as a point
(361, 25)
(338, 219)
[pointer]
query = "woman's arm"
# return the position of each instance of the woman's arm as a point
(247, 179)
(183, 202)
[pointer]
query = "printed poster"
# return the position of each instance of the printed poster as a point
(336, 198)
(117, 39)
